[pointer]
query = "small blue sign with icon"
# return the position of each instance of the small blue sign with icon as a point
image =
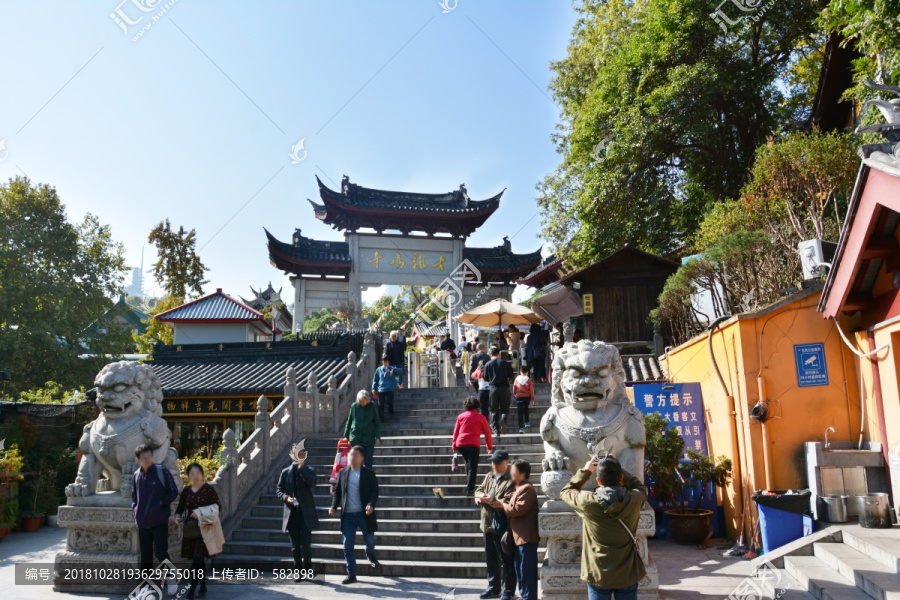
(811, 367)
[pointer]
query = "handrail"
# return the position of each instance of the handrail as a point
(248, 469)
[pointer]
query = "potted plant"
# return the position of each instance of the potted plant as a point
(11, 463)
(674, 476)
(41, 489)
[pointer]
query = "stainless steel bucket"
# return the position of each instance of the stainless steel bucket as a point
(874, 511)
(836, 509)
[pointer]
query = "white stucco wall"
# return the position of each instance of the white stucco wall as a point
(213, 333)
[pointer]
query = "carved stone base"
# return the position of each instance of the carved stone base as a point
(103, 536)
(561, 528)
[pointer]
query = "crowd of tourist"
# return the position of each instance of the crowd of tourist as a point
(610, 565)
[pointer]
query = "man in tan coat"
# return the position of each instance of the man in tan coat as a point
(610, 563)
(497, 485)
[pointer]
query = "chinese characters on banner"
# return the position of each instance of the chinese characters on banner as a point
(681, 404)
(431, 263)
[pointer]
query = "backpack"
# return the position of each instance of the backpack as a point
(162, 477)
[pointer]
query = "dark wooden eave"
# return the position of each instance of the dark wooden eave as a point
(356, 207)
(307, 256)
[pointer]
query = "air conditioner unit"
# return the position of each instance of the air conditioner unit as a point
(816, 257)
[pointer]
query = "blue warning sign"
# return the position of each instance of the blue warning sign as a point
(811, 367)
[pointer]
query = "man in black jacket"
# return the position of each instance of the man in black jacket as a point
(295, 489)
(356, 493)
(498, 374)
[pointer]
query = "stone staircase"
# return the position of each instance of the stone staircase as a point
(420, 535)
(845, 562)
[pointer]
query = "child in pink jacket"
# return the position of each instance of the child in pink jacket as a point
(523, 390)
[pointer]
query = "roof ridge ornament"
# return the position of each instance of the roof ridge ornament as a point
(886, 156)
(345, 185)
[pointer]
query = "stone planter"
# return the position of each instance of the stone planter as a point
(691, 527)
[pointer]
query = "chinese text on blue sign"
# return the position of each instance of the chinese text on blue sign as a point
(681, 404)
(811, 367)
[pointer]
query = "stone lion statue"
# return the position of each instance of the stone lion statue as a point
(130, 402)
(589, 414)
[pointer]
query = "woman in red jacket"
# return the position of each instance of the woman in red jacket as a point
(467, 439)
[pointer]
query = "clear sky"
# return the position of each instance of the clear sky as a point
(195, 120)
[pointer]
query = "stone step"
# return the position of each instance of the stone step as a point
(462, 539)
(425, 554)
(414, 491)
(402, 439)
(883, 545)
(877, 580)
(436, 469)
(781, 585)
(432, 502)
(469, 512)
(818, 578)
(333, 523)
(427, 480)
(389, 568)
(425, 461)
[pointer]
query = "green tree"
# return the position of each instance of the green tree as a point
(178, 267)
(56, 279)
(156, 330)
(661, 113)
(320, 320)
(872, 27)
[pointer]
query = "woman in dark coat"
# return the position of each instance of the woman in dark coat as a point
(193, 496)
(295, 489)
(536, 353)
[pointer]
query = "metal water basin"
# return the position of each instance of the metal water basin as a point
(844, 454)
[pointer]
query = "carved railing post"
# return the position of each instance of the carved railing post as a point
(332, 394)
(228, 464)
(262, 422)
(313, 390)
(290, 391)
(352, 373)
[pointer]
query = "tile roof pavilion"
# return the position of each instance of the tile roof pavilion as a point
(355, 206)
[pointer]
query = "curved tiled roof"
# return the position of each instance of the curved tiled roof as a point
(355, 206)
(251, 368)
(307, 255)
(500, 262)
(215, 307)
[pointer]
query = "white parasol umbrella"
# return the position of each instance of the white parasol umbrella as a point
(499, 313)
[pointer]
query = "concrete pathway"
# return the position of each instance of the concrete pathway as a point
(685, 572)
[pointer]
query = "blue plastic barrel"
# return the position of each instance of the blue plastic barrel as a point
(778, 527)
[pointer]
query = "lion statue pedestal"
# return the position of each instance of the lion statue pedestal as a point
(590, 414)
(100, 524)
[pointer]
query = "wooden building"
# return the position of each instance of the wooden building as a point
(618, 294)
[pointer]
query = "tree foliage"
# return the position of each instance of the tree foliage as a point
(320, 320)
(156, 330)
(798, 190)
(56, 279)
(178, 268)
(661, 115)
(872, 27)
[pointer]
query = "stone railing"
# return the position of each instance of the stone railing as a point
(248, 469)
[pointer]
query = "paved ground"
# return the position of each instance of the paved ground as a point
(685, 572)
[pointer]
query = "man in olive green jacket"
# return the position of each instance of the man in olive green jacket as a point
(497, 485)
(363, 426)
(610, 563)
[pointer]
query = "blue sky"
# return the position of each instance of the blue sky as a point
(195, 120)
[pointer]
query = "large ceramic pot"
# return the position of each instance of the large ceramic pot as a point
(691, 527)
(31, 524)
(4, 531)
